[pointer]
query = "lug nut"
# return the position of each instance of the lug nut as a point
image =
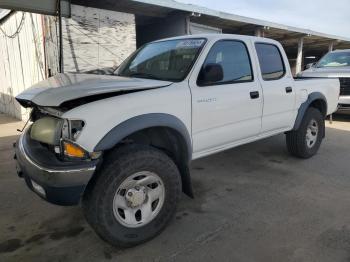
(130, 194)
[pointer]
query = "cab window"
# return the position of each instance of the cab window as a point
(270, 60)
(233, 58)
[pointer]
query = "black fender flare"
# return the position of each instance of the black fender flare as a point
(304, 106)
(137, 123)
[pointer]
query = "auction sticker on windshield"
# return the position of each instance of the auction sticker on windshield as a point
(190, 43)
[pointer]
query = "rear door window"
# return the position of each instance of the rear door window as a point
(271, 61)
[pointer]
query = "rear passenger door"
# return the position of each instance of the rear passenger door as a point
(230, 109)
(277, 84)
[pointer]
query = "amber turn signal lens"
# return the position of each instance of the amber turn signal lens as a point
(73, 150)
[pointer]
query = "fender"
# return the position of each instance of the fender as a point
(128, 127)
(137, 123)
(304, 106)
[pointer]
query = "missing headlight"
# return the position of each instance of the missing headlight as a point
(76, 126)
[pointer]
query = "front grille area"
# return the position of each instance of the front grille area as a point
(344, 86)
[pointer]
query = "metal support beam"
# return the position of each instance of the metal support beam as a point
(60, 36)
(46, 7)
(331, 46)
(287, 37)
(299, 61)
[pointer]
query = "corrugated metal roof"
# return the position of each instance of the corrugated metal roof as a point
(171, 4)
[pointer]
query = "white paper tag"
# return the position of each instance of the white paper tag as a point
(190, 43)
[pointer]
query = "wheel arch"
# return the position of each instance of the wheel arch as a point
(316, 100)
(163, 131)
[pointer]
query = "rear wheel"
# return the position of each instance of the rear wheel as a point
(134, 196)
(306, 141)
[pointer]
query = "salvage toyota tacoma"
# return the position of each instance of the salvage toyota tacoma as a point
(121, 145)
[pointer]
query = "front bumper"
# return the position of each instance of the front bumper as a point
(58, 182)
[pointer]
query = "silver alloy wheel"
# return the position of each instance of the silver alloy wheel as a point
(311, 133)
(138, 199)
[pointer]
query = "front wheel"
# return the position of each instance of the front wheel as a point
(134, 195)
(306, 141)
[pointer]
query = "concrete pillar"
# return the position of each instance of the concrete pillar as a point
(331, 46)
(299, 61)
(188, 25)
(259, 32)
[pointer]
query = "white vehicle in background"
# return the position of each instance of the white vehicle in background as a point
(122, 144)
(335, 64)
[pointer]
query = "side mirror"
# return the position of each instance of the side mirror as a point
(211, 73)
(308, 66)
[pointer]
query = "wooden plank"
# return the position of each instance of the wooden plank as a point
(21, 60)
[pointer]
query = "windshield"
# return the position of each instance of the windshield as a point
(169, 60)
(335, 59)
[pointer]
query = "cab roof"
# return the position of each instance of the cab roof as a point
(221, 36)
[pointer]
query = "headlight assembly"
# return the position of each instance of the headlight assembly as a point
(62, 134)
(47, 130)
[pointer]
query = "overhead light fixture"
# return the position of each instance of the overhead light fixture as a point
(196, 14)
(310, 57)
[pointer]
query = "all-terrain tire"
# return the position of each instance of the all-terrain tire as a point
(118, 165)
(297, 143)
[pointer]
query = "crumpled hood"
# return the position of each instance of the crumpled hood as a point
(326, 72)
(65, 87)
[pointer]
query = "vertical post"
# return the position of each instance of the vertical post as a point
(188, 25)
(299, 61)
(259, 32)
(331, 46)
(60, 36)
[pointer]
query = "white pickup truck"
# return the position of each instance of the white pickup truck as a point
(121, 145)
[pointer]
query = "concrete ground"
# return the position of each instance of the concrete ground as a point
(253, 203)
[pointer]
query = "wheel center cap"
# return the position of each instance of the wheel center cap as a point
(136, 196)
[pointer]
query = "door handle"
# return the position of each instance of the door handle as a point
(254, 94)
(289, 89)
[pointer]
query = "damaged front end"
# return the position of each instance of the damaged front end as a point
(48, 155)
(52, 97)
(59, 135)
(52, 164)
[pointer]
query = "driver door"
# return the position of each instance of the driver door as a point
(229, 110)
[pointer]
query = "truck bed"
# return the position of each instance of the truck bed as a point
(326, 86)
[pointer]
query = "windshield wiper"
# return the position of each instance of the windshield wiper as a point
(144, 75)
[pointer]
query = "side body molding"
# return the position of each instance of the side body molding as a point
(304, 106)
(140, 122)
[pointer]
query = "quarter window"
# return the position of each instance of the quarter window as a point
(270, 60)
(234, 59)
